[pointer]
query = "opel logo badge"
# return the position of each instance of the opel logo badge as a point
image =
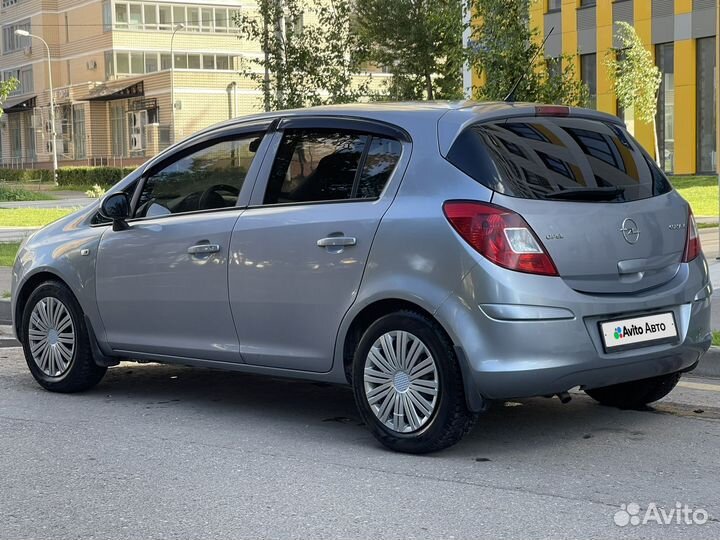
(630, 231)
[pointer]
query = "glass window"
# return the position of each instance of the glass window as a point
(193, 19)
(554, 5)
(165, 61)
(193, 61)
(109, 64)
(178, 15)
(665, 120)
(181, 61)
(151, 62)
(107, 15)
(208, 61)
(136, 17)
(222, 62)
(121, 15)
(205, 179)
(206, 19)
(150, 16)
(317, 165)
(380, 162)
(79, 131)
(706, 99)
(220, 19)
(598, 161)
(122, 60)
(29, 136)
(118, 127)
(165, 17)
(588, 74)
(137, 62)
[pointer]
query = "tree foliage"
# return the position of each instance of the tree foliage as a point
(5, 88)
(307, 63)
(503, 47)
(634, 75)
(419, 41)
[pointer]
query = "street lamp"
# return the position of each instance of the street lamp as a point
(179, 26)
(25, 33)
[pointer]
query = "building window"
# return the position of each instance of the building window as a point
(123, 63)
(8, 3)
(118, 130)
(706, 74)
(29, 136)
(11, 41)
(588, 74)
(79, 131)
(15, 134)
(107, 15)
(153, 16)
(25, 77)
(665, 120)
(554, 5)
(585, 3)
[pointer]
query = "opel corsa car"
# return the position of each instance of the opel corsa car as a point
(435, 256)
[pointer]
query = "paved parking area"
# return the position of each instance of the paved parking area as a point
(172, 452)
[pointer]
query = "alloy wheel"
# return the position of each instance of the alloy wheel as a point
(51, 336)
(401, 381)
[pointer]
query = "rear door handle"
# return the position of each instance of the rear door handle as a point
(203, 249)
(336, 241)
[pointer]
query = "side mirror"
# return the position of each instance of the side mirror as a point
(116, 207)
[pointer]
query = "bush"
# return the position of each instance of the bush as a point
(90, 176)
(68, 176)
(8, 194)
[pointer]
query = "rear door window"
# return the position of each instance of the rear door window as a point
(330, 165)
(558, 158)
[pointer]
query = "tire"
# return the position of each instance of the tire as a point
(65, 367)
(435, 366)
(635, 394)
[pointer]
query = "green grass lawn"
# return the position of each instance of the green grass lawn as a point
(12, 194)
(31, 217)
(716, 338)
(7, 254)
(700, 191)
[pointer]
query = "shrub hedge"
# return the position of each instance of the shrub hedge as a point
(69, 176)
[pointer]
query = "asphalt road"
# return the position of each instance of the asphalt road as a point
(170, 452)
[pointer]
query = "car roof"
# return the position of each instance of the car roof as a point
(449, 118)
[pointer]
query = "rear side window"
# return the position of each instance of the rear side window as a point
(558, 158)
(330, 165)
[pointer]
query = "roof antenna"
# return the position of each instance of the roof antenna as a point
(511, 95)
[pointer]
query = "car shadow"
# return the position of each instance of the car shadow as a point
(229, 399)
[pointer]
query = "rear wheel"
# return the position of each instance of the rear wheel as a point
(55, 341)
(408, 385)
(635, 394)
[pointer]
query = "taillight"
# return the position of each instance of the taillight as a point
(692, 240)
(500, 235)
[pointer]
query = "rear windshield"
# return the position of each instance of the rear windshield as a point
(558, 158)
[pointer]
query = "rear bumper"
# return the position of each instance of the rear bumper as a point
(547, 341)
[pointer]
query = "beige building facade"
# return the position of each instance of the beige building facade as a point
(112, 74)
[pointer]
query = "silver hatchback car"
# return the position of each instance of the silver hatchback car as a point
(435, 256)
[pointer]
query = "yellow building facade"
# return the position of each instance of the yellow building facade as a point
(681, 35)
(113, 76)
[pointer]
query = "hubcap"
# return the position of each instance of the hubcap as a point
(401, 381)
(51, 336)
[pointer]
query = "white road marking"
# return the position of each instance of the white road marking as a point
(700, 386)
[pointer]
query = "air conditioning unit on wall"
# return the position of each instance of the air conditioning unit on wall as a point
(91, 64)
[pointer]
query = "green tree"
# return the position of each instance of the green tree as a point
(304, 64)
(419, 41)
(505, 48)
(5, 88)
(635, 77)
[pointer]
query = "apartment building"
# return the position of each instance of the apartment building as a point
(682, 35)
(113, 77)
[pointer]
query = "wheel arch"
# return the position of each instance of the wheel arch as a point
(26, 289)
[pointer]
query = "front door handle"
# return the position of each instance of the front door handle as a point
(337, 241)
(203, 249)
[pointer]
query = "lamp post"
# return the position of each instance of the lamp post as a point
(179, 26)
(25, 33)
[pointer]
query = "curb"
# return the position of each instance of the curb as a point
(5, 313)
(709, 365)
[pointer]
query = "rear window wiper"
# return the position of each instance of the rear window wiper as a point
(587, 194)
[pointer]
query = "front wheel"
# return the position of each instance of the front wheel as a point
(635, 394)
(408, 385)
(55, 341)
